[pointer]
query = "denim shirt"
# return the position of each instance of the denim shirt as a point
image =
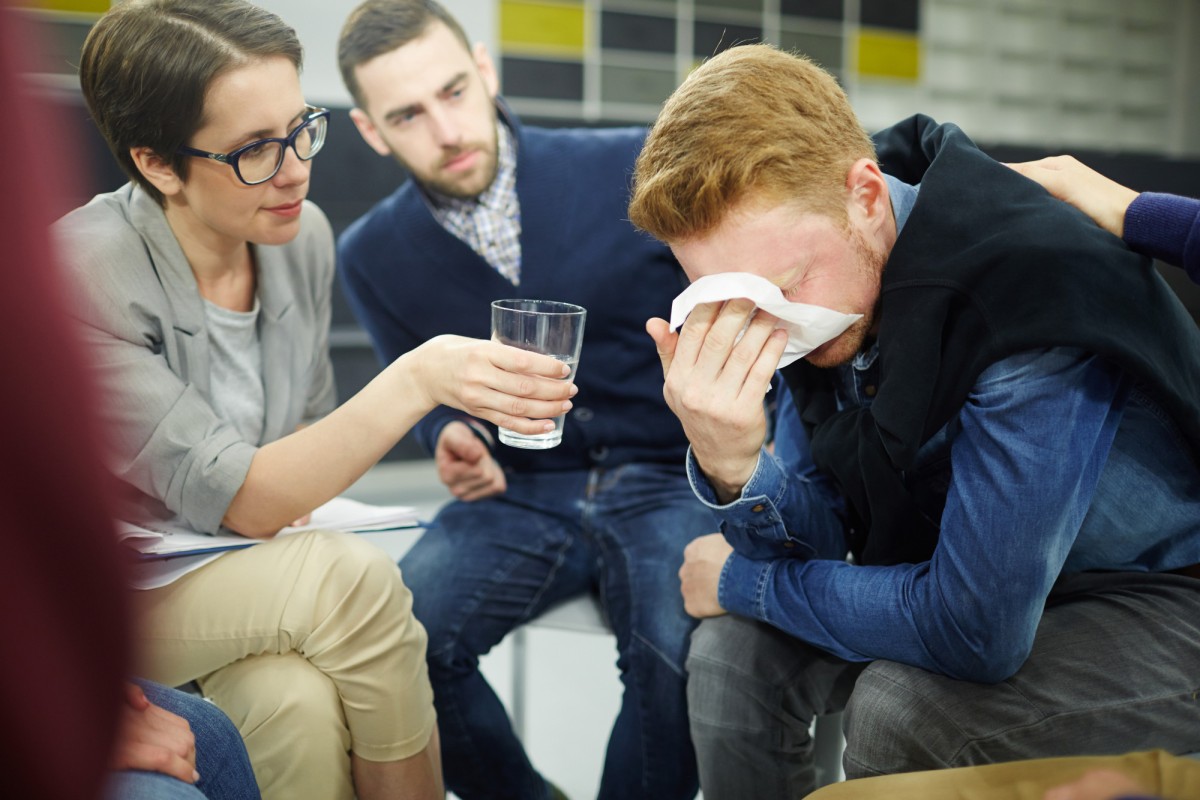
(1056, 464)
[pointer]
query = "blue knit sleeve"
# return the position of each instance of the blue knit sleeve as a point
(1166, 227)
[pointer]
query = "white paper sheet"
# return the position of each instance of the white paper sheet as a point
(170, 551)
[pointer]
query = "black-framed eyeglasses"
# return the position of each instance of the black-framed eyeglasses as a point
(259, 161)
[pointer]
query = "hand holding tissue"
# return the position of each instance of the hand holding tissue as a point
(808, 327)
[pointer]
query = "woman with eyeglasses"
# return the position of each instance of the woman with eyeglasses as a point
(206, 287)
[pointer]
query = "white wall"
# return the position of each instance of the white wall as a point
(1103, 74)
(318, 23)
(1098, 74)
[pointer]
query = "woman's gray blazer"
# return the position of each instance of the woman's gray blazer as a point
(143, 321)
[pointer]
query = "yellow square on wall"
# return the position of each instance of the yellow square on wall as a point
(886, 54)
(73, 6)
(542, 28)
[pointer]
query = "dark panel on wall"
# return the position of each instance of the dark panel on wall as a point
(818, 9)
(635, 84)
(545, 80)
(825, 49)
(899, 14)
(622, 31)
(61, 42)
(725, 5)
(713, 37)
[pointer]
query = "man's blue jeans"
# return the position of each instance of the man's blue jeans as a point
(484, 568)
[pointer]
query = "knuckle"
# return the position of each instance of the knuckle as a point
(742, 356)
(691, 400)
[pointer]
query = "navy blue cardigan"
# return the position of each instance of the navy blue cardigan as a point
(408, 280)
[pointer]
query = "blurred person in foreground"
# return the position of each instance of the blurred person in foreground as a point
(63, 605)
(63, 596)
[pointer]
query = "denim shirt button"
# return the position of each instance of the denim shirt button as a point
(789, 545)
(869, 390)
(598, 453)
(582, 414)
(758, 508)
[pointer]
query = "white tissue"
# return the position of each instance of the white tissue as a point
(808, 326)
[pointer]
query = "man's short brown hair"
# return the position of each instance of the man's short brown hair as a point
(376, 27)
(147, 65)
(750, 121)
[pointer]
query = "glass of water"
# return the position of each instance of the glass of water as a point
(543, 326)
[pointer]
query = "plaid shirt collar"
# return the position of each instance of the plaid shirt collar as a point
(489, 224)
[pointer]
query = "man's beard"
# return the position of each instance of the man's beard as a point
(456, 188)
(848, 344)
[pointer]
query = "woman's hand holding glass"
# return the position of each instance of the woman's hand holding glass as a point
(515, 389)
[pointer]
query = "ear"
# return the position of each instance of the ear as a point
(487, 70)
(368, 131)
(156, 170)
(867, 195)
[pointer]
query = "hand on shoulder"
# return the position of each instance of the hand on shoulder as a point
(1068, 179)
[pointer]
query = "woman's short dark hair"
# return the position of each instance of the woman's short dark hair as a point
(376, 27)
(147, 65)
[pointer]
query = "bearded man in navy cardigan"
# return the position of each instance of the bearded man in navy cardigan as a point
(498, 210)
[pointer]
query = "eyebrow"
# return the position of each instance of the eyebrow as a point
(265, 133)
(402, 110)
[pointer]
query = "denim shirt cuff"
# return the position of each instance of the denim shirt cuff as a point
(742, 587)
(756, 513)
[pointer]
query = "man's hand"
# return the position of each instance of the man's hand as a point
(703, 560)
(153, 739)
(465, 465)
(715, 383)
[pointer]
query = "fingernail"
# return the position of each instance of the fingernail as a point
(549, 426)
(574, 390)
(566, 406)
(195, 776)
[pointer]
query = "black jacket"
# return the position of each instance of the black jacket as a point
(988, 265)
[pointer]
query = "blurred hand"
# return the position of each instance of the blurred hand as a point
(465, 465)
(153, 739)
(703, 560)
(1097, 784)
(1065, 177)
(715, 383)
(512, 388)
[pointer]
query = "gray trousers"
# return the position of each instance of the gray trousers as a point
(1115, 668)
